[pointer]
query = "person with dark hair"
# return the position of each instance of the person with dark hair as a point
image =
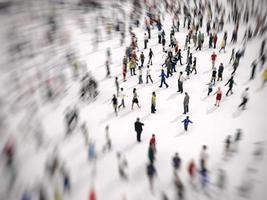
(163, 79)
(186, 122)
(135, 98)
(153, 102)
(138, 128)
(186, 103)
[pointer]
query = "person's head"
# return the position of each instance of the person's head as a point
(116, 78)
(150, 49)
(121, 89)
(147, 66)
(204, 147)
(153, 135)
(114, 95)
(247, 89)
(134, 90)
(219, 88)
(181, 73)
(118, 154)
(176, 154)
(187, 117)
(138, 119)
(213, 52)
(186, 93)
(162, 70)
(190, 54)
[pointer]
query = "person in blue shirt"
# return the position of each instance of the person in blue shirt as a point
(186, 121)
(163, 79)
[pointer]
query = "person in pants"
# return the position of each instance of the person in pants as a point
(163, 79)
(244, 99)
(115, 104)
(186, 103)
(122, 95)
(148, 75)
(150, 54)
(153, 102)
(186, 122)
(145, 41)
(138, 128)
(180, 82)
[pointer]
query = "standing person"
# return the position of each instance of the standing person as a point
(159, 36)
(194, 65)
(153, 102)
(135, 98)
(132, 66)
(151, 172)
(215, 38)
(150, 54)
(108, 145)
(227, 145)
(237, 138)
(181, 80)
(231, 83)
(176, 162)
(186, 122)
(153, 142)
(163, 44)
(148, 74)
(186, 103)
(117, 86)
(199, 42)
(122, 96)
(253, 69)
(203, 157)
(124, 68)
(218, 97)
(188, 70)
(163, 78)
(232, 55)
(220, 72)
(244, 97)
(179, 56)
(145, 41)
(138, 128)
(142, 58)
(210, 40)
(115, 104)
(213, 59)
(210, 85)
(222, 46)
(140, 79)
(122, 165)
(213, 75)
(92, 195)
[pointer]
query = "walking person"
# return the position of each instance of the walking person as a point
(115, 104)
(222, 46)
(151, 173)
(192, 171)
(186, 122)
(135, 99)
(220, 72)
(244, 97)
(142, 58)
(213, 59)
(140, 76)
(150, 54)
(218, 97)
(210, 85)
(148, 74)
(194, 66)
(230, 84)
(179, 56)
(203, 157)
(145, 41)
(138, 128)
(186, 103)
(213, 75)
(181, 80)
(122, 165)
(232, 55)
(122, 96)
(176, 162)
(163, 79)
(151, 154)
(153, 102)
(253, 69)
(117, 85)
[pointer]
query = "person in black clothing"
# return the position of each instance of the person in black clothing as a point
(151, 153)
(176, 162)
(150, 56)
(138, 128)
(115, 104)
(194, 65)
(213, 76)
(253, 68)
(163, 44)
(220, 72)
(179, 56)
(151, 172)
(230, 82)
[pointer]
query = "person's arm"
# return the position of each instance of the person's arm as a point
(190, 121)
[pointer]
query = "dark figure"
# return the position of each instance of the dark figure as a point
(230, 82)
(138, 128)
(220, 72)
(186, 103)
(180, 82)
(163, 79)
(179, 56)
(150, 56)
(244, 99)
(176, 162)
(253, 68)
(186, 122)
(151, 154)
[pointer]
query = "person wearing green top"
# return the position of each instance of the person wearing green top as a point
(153, 102)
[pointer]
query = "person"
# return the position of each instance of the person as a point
(150, 54)
(218, 97)
(186, 122)
(159, 36)
(253, 69)
(142, 58)
(213, 75)
(176, 162)
(179, 56)
(124, 68)
(210, 85)
(153, 142)
(203, 157)
(117, 86)
(138, 128)
(210, 40)
(151, 172)
(264, 77)
(204, 177)
(153, 102)
(85, 133)
(181, 80)
(186, 103)
(132, 66)
(213, 59)
(140, 79)
(194, 65)
(179, 186)
(215, 38)
(122, 96)
(92, 195)
(220, 72)
(244, 97)
(145, 41)
(192, 170)
(188, 70)
(148, 74)
(163, 78)
(163, 44)
(227, 144)
(135, 98)
(231, 84)
(122, 165)
(232, 55)
(66, 180)
(151, 153)
(108, 145)
(115, 104)
(222, 46)
(107, 69)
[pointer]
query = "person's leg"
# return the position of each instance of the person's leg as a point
(184, 109)
(150, 79)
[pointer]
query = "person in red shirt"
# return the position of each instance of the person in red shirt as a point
(152, 142)
(92, 195)
(213, 59)
(192, 170)
(218, 96)
(215, 40)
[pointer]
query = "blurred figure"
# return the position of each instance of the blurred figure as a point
(203, 158)
(122, 165)
(244, 97)
(108, 144)
(179, 186)
(151, 173)
(92, 194)
(221, 179)
(176, 162)
(192, 171)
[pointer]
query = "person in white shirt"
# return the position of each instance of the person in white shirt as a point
(148, 74)
(122, 95)
(181, 80)
(244, 97)
(203, 158)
